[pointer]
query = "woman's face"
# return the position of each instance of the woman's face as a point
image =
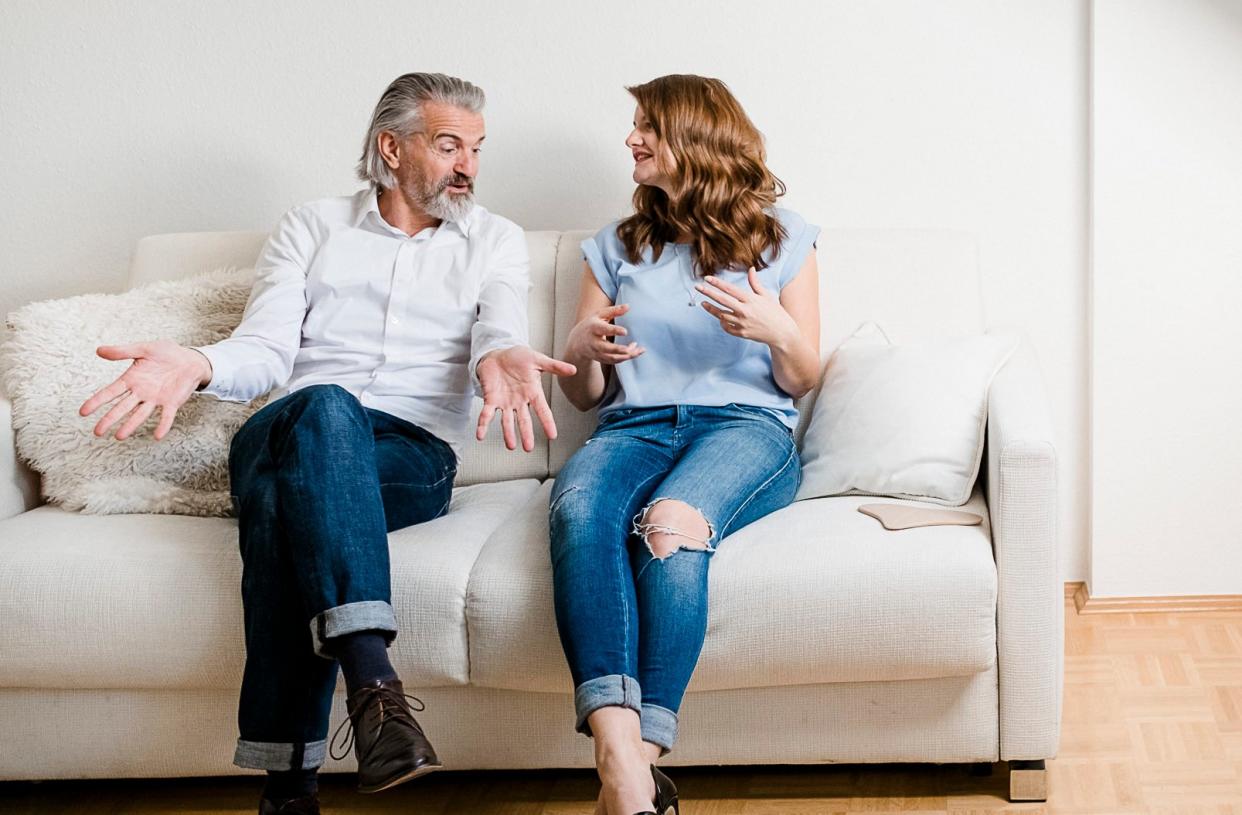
(653, 162)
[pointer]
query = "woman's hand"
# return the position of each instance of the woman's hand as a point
(588, 340)
(754, 315)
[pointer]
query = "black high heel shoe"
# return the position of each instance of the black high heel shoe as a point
(666, 795)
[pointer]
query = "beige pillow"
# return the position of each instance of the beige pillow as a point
(906, 421)
(50, 368)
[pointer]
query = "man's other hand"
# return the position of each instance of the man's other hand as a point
(511, 385)
(163, 375)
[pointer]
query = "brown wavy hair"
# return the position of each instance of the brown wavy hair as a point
(723, 189)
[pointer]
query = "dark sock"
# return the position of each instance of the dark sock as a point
(364, 658)
(288, 784)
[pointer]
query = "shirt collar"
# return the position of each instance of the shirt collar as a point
(366, 202)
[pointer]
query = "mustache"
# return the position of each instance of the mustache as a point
(456, 180)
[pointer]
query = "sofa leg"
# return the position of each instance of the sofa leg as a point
(1028, 781)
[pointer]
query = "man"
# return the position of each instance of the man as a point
(377, 312)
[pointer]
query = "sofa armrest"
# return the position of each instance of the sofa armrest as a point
(1030, 612)
(19, 486)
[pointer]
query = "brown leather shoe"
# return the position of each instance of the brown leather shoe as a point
(296, 806)
(388, 742)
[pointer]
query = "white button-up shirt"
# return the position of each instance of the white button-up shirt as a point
(342, 297)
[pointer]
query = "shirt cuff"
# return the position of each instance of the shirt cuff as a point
(221, 372)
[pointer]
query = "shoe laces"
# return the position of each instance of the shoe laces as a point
(392, 705)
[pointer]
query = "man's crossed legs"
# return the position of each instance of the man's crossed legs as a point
(318, 482)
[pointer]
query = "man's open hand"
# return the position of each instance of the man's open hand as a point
(511, 384)
(163, 375)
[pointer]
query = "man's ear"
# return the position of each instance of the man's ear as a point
(389, 148)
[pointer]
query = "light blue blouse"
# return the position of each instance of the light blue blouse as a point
(689, 358)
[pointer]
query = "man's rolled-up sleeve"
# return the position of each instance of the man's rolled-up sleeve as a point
(502, 319)
(259, 354)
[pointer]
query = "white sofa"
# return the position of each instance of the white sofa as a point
(829, 638)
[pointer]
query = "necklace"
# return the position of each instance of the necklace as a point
(689, 272)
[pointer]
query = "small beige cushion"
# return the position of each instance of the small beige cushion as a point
(909, 516)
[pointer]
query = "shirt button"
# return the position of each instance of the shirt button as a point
(396, 321)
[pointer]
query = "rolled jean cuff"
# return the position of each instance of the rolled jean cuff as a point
(616, 690)
(659, 726)
(365, 615)
(271, 755)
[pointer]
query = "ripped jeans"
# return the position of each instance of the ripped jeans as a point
(632, 624)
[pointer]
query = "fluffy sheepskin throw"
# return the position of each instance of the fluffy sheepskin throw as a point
(51, 368)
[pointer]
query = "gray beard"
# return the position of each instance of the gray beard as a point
(440, 203)
(449, 207)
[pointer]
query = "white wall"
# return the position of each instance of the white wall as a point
(125, 119)
(1167, 297)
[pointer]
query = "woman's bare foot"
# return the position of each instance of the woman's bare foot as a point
(651, 753)
(627, 783)
(621, 761)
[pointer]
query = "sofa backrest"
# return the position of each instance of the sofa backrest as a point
(917, 284)
(172, 256)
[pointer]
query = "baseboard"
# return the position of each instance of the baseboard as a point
(1086, 604)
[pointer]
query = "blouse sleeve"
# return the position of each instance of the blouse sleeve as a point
(603, 257)
(798, 244)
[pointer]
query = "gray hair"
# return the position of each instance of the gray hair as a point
(400, 111)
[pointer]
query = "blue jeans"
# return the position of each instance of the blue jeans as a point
(632, 624)
(318, 481)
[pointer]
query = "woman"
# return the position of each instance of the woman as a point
(716, 294)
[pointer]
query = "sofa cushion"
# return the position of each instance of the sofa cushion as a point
(79, 594)
(816, 592)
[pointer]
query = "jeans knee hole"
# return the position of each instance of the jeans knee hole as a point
(644, 529)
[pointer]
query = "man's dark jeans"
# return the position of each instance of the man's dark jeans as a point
(318, 482)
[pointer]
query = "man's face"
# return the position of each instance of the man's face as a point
(438, 165)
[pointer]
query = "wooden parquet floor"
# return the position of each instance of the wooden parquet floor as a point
(1152, 724)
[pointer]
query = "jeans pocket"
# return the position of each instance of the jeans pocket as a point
(766, 414)
(406, 504)
(613, 416)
